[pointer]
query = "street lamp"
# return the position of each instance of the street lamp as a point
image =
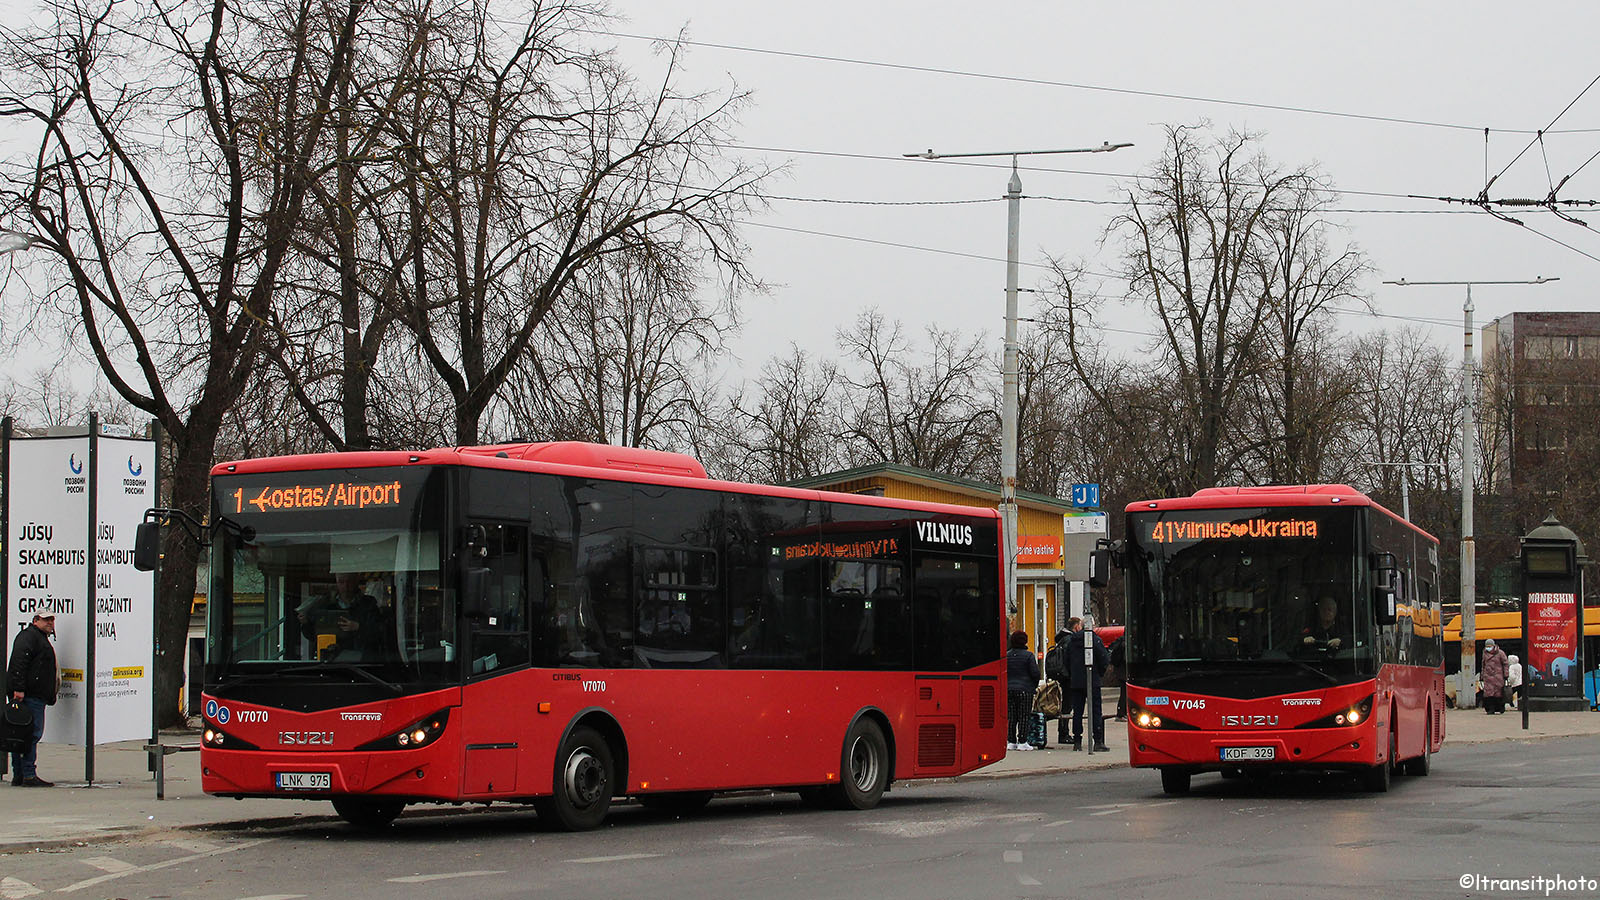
(1008, 412)
(1466, 698)
(1405, 480)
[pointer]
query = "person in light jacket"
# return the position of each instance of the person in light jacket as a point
(1513, 691)
(1022, 677)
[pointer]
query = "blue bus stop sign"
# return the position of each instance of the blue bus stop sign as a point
(1086, 495)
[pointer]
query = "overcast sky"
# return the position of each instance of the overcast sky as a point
(1028, 76)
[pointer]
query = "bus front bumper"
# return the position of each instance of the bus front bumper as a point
(1349, 747)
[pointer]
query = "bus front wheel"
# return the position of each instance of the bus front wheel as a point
(583, 782)
(1175, 781)
(367, 812)
(864, 768)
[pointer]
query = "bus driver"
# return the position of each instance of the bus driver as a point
(1324, 634)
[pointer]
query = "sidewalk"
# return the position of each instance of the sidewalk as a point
(122, 800)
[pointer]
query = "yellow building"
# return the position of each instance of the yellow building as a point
(1049, 589)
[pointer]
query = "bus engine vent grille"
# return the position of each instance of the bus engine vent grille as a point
(986, 706)
(925, 693)
(936, 746)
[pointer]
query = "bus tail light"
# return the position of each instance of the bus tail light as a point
(420, 733)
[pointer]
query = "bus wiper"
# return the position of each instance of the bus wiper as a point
(1310, 668)
(344, 667)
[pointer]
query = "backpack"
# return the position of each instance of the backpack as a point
(1047, 698)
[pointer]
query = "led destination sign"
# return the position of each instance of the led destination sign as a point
(337, 495)
(1167, 532)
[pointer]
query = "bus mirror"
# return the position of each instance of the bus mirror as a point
(1387, 613)
(1100, 567)
(147, 546)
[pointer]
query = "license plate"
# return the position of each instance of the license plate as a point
(305, 781)
(1236, 754)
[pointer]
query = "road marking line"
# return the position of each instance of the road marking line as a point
(422, 879)
(108, 864)
(195, 846)
(100, 879)
(618, 858)
(16, 888)
(1058, 822)
(1024, 837)
(1027, 881)
(1013, 856)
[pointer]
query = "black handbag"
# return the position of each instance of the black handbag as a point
(16, 726)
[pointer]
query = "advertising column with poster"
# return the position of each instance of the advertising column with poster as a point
(1552, 638)
(124, 620)
(47, 555)
(54, 563)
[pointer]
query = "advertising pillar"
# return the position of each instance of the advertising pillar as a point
(1552, 561)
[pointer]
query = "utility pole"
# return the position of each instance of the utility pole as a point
(1009, 366)
(1466, 691)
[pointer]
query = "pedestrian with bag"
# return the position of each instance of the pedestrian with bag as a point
(1084, 678)
(1022, 676)
(32, 679)
(1493, 671)
(1055, 669)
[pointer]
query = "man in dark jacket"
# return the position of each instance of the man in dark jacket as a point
(1083, 678)
(1055, 669)
(31, 678)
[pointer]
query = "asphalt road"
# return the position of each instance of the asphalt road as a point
(1504, 811)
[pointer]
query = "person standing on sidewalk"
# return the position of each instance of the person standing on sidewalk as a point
(1493, 672)
(32, 678)
(1022, 677)
(1085, 678)
(1055, 669)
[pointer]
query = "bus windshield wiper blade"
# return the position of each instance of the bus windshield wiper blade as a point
(345, 667)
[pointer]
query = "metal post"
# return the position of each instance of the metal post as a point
(1469, 568)
(91, 681)
(1008, 412)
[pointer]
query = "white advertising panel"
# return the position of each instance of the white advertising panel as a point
(48, 567)
(124, 597)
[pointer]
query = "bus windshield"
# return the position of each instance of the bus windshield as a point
(1245, 591)
(337, 571)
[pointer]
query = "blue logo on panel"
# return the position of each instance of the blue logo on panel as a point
(134, 469)
(74, 465)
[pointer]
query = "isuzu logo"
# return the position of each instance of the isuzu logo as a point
(1249, 721)
(299, 738)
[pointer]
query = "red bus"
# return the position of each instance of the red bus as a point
(562, 624)
(1280, 628)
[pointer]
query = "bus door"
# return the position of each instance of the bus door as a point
(498, 643)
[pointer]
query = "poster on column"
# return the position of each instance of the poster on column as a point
(1552, 637)
(124, 596)
(48, 563)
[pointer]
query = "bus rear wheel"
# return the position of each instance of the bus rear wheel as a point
(1175, 781)
(583, 783)
(864, 768)
(368, 812)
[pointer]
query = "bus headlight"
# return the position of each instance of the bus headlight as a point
(420, 733)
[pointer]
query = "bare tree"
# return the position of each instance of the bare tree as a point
(626, 360)
(789, 429)
(935, 413)
(169, 174)
(529, 160)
